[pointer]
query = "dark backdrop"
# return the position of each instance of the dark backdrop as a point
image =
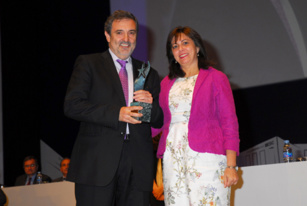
(40, 42)
(272, 110)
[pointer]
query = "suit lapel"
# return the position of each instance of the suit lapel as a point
(168, 89)
(203, 73)
(108, 64)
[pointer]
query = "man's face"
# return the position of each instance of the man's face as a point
(65, 166)
(122, 39)
(30, 167)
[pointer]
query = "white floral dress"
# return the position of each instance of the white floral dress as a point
(189, 177)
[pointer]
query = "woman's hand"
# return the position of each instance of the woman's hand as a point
(230, 177)
(230, 174)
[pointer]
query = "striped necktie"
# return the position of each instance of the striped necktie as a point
(123, 75)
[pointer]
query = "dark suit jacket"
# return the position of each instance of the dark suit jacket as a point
(94, 97)
(21, 180)
(2, 197)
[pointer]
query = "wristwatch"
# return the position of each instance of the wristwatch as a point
(233, 167)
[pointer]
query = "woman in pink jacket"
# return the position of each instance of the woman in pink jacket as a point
(200, 138)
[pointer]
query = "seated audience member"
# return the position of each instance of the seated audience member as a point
(64, 169)
(30, 166)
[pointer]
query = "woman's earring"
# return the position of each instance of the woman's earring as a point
(175, 62)
(198, 54)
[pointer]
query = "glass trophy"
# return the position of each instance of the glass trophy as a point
(139, 85)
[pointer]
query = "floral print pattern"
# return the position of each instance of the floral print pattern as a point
(190, 178)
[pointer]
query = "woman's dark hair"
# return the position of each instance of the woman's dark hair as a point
(174, 68)
(119, 15)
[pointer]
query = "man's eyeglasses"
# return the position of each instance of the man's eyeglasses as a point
(32, 165)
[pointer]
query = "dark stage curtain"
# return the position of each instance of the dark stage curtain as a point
(40, 42)
(272, 110)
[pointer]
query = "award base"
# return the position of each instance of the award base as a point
(146, 111)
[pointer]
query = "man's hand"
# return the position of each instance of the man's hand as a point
(143, 96)
(126, 114)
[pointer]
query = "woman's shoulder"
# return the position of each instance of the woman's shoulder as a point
(216, 74)
(213, 70)
(165, 80)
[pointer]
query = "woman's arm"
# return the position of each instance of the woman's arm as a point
(230, 174)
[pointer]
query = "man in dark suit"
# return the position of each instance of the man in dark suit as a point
(30, 167)
(112, 159)
(64, 169)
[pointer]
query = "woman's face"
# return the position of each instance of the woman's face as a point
(185, 51)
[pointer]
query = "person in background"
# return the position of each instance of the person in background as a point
(200, 138)
(64, 169)
(30, 166)
(112, 159)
